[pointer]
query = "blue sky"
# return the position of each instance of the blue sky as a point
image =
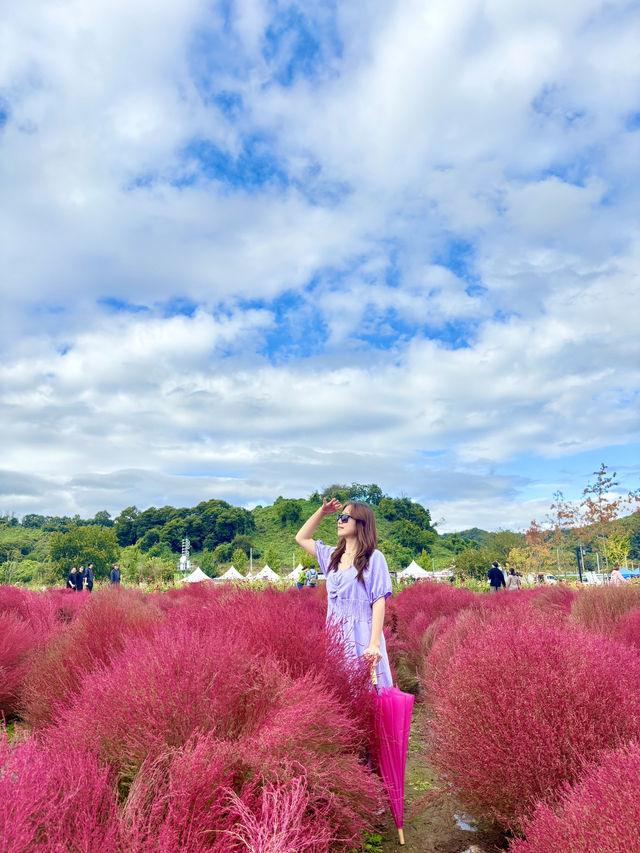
(253, 248)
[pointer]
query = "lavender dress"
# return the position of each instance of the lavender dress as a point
(350, 603)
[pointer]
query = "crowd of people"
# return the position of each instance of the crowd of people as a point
(81, 578)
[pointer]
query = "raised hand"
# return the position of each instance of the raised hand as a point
(334, 505)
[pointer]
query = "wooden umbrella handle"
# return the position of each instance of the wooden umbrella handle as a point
(400, 835)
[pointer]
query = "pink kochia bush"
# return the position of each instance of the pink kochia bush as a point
(628, 628)
(522, 702)
(17, 641)
(600, 609)
(211, 790)
(600, 813)
(414, 617)
(104, 625)
(55, 799)
(27, 620)
(236, 721)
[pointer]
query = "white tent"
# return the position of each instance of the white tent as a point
(266, 574)
(295, 574)
(232, 574)
(196, 576)
(413, 570)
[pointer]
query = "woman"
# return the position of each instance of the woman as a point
(71, 579)
(513, 581)
(358, 581)
(617, 578)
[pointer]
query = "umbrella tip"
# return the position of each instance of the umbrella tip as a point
(400, 835)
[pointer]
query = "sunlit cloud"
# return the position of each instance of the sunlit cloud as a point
(253, 248)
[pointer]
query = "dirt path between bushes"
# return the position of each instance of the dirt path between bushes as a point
(430, 824)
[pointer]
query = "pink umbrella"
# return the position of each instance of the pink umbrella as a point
(392, 721)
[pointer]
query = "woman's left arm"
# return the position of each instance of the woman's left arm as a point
(377, 621)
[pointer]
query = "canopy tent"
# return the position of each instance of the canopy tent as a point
(295, 574)
(232, 574)
(266, 574)
(413, 570)
(196, 576)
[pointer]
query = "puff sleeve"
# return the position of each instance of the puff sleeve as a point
(323, 553)
(377, 578)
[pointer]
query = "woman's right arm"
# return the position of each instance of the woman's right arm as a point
(304, 536)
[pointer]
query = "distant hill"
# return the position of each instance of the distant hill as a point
(476, 534)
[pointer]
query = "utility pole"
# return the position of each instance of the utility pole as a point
(578, 555)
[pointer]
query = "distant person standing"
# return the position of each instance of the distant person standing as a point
(80, 579)
(311, 576)
(513, 581)
(89, 577)
(496, 578)
(71, 579)
(115, 573)
(616, 575)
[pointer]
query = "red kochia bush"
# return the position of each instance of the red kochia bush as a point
(600, 609)
(410, 614)
(628, 628)
(600, 813)
(557, 598)
(55, 800)
(523, 704)
(187, 677)
(38, 609)
(231, 792)
(17, 640)
(105, 624)
(289, 626)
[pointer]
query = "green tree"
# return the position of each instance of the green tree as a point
(125, 525)
(103, 518)
(370, 493)
(83, 545)
(172, 534)
(272, 557)
(397, 556)
(634, 536)
(241, 540)
(336, 490)
(397, 509)
(475, 562)
(240, 560)
(455, 542)
(207, 563)
(288, 512)
(33, 520)
(222, 553)
(619, 546)
(157, 569)
(151, 537)
(501, 542)
(410, 536)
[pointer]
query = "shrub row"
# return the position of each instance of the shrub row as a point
(215, 719)
(534, 707)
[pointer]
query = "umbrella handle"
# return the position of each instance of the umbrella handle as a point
(374, 675)
(400, 835)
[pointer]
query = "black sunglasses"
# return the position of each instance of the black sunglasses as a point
(344, 518)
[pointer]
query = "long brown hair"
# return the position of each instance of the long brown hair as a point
(366, 536)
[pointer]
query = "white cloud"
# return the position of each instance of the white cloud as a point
(496, 127)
